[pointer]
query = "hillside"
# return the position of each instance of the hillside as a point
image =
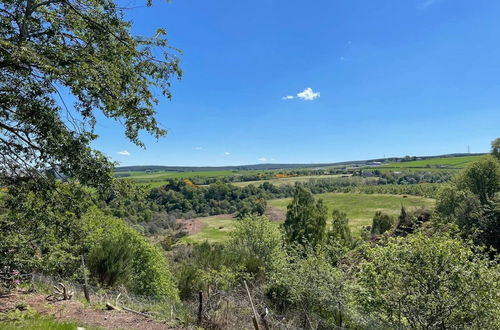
(438, 159)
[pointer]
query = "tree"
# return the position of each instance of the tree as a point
(43, 231)
(312, 288)
(421, 282)
(340, 228)
(381, 223)
(471, 201)
(257, 238)
(305, 222)
(495, 148)
(481, 177)
(84, 48)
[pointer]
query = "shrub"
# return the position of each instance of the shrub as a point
(258, 241)
(381, 223)
(145, 269)
(110, 260)
(427, 283)
(309, 289)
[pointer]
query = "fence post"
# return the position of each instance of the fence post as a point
(200, 306)
(254, 318)
(85, 286)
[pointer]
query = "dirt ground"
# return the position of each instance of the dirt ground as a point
(275, 214)
(193, 226)
(77, 312)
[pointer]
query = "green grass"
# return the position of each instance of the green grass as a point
(454, 163)
(214, 229)
(360, 208)
(156, 179)
(283, 181)
(38, 322)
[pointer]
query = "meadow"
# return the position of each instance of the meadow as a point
(360, 208)
(213, 229)
(453, 163)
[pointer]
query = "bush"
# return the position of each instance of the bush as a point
(144, 269)
(381, 223)
(308, 289)
(110, 261)
(258, 241)
(424, 282)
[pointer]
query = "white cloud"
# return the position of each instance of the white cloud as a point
(308, 94)
(227, 153)
(262, 159)
(198, 148)
(123, 153)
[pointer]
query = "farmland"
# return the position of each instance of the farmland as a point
(443, 163)
(155, 179)
(289, 180)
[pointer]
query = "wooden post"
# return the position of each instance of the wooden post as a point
(85, 286)
(340, 315)
(200, 306)
(254, 318)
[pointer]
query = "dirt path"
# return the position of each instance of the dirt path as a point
(77, 312)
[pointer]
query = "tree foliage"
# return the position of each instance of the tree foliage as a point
(55, 51)
(428, 283)
(381, 223)
(257, 238)
(119, 254)
(305, 222)
(495, 148)
(472, 202)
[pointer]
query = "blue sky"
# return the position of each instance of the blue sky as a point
(368, 78)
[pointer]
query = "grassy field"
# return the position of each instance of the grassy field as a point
(454, 163)
(156, 179)
(360, 208)
(283, 181)
(213, 229)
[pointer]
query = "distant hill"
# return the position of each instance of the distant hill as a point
(269, 166)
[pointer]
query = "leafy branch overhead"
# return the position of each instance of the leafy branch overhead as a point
(53, 51)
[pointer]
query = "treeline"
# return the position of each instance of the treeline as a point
(408, 177)
(219, 198)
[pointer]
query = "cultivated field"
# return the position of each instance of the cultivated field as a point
(290, 180)
(156, 179)
(453, 163)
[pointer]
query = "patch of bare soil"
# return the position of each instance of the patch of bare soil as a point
(191, 226)
(75, 311)
(195, 225)
(275, 214)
